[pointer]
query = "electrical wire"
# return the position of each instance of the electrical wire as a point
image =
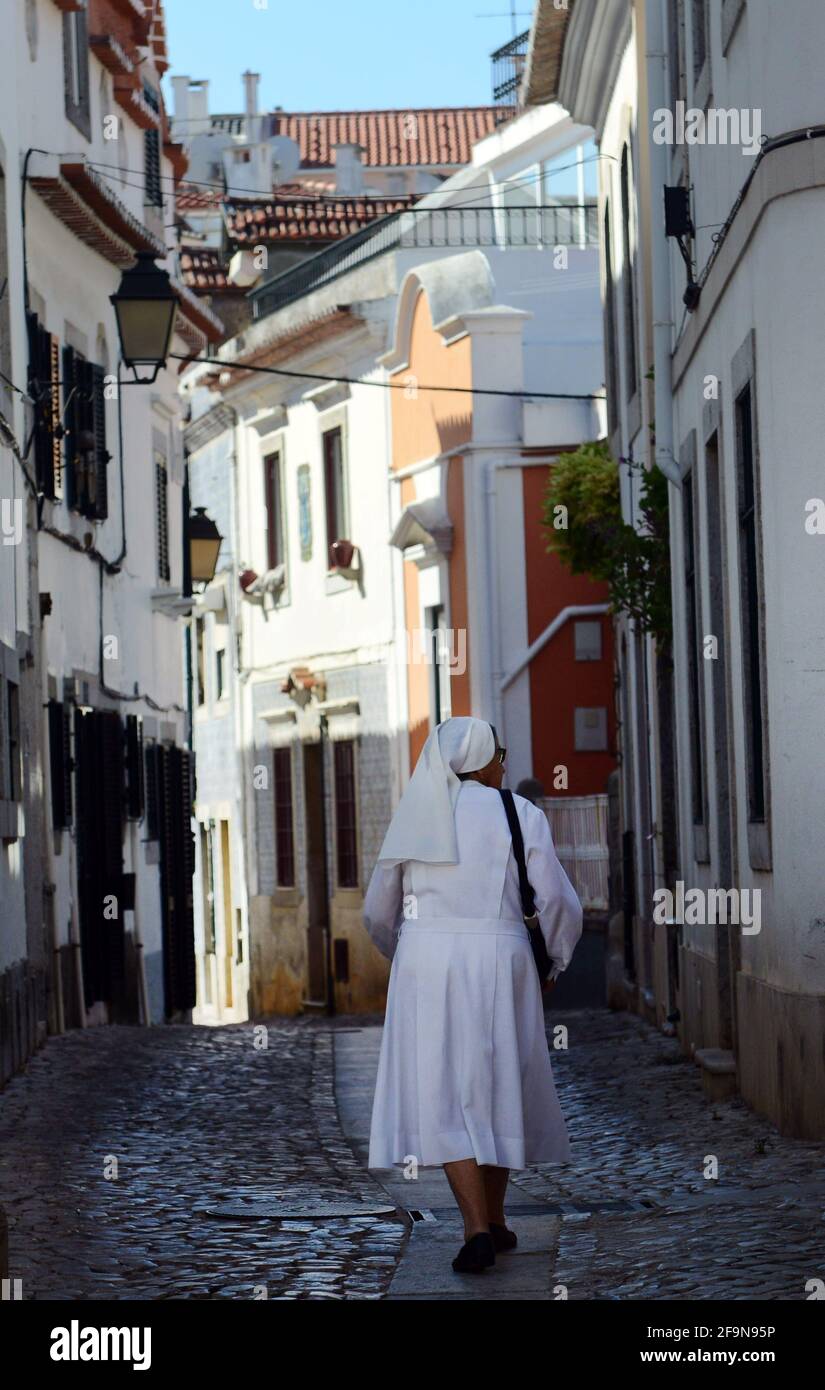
(116, 172)
(223, 363)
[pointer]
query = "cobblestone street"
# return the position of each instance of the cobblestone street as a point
(193, 1116)
(197, 1117)
(643, 1134)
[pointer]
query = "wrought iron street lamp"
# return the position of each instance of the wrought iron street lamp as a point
(204, 546)
(145, 306)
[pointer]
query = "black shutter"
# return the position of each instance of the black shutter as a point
(43, 375)
(175, 782)
(61, 765)
(71, 425)
(150, 762)
(162, 517)
(154, 193)
(99, 815)
(98, 487)
(134, 767)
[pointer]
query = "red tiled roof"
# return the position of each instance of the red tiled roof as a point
(389, 138)
(194, 198)
(203, 270)
(291, 218)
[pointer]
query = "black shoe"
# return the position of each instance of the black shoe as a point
(503, 1238)
(476, 1256)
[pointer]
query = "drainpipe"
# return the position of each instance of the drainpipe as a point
(663, 325)
(494, 626)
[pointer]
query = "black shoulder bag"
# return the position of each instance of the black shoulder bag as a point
(528, 899)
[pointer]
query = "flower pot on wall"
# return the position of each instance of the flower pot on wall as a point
(345, 559)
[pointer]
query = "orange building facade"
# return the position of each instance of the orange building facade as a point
(494, 625)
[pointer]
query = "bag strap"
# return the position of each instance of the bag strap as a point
(528, 897)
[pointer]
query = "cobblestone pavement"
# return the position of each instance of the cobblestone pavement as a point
(200, 1116)
(193, 1116)
(642, 1135)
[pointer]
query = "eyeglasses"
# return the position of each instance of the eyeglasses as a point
(502, 754)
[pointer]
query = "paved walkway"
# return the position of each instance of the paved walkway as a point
(634, 1215)
(192, 1163)
(193, 1118)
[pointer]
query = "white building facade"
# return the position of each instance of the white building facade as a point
(310, 612)
(735, 399)
(95, 850)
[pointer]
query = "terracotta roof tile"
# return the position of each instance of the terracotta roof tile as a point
(203, 270)
(389, 138)
(292, 218)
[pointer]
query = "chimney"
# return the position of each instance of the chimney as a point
(180, 90)
(198, 97)
(250, 83)
(349, 170)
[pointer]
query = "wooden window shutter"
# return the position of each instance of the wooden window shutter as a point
(150, 791)
(98, 487)
(71, 425)
(43, 377)
(60, 760)
(134, 767)
(162, 516)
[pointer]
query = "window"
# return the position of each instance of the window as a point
(135, 785)
(10, 694)
(628, 293)
(610, 328)
(151, 773)
(284, 833)
(590, 730)
(162, 516)
(199, 661)
(220, 673)
(44, 389)
(440, 664)
(86, 457)
(588, 640)
(334, 488)
(346, 842)
(208, 889)
(693, 639)
(273, 502)
(750, 600)
(701, 54)
(700, 35)
(76, 70)
(675, 41)
(151, 153)
(60, 763)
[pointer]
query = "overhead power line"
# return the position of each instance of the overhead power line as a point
(219, 363)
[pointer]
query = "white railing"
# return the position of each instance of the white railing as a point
(579, 827)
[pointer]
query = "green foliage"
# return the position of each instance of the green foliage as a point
(596, 540)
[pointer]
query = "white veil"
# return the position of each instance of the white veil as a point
(423, 826)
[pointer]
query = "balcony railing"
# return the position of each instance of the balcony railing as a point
(508, 69)
(432, 228)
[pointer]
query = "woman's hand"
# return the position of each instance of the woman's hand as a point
(548, 985)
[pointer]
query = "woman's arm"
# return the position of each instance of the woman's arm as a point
(383, 907)
(557, 904)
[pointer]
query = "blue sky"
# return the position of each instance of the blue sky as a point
(326, 55)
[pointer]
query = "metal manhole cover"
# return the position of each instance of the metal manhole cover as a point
(252, 1210)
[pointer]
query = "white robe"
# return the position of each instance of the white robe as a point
(464, 1070)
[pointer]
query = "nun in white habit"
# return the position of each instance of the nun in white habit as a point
(464, 1077)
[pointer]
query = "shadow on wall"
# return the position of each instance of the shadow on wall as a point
(583, 983)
